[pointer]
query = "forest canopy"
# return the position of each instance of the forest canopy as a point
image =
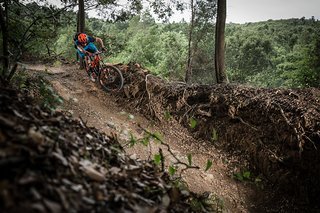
(274, 53)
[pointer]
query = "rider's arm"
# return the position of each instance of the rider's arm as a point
(82, 50)
(99, 40)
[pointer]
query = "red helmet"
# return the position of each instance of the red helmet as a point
(82, 38)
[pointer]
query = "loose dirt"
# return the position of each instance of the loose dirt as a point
(87, 101)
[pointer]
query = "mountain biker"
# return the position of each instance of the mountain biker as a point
(85, 46)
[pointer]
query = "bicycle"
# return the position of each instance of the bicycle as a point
(109, 77)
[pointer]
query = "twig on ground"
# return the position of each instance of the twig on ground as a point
(169, 150)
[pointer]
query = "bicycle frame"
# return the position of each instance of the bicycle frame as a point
(108, 76)
(93, 61)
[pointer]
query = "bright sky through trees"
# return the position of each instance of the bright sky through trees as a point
(241, 11)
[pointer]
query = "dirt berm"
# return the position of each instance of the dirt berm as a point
(277, 130)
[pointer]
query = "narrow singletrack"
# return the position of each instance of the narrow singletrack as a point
(87, 101)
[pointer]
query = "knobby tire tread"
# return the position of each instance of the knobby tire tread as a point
(112, 87)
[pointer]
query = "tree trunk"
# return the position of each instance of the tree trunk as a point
(219, 42)
(81, 24)
(189, 62)
(4, 31)
(81, 17)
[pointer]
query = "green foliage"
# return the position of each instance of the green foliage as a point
(63, 46)
(214, 136)
(242, 176)
(274, 53)
(172, 170)
(193, 123)
(33, 28)
(268, 54)
(158, 136)
(209, 164)
(20, 80)
(133, 140)
(157, 159)
(208, 202)
(145, 140)
(189, 156)
(162, 52)
(50, 99)
(167, 115)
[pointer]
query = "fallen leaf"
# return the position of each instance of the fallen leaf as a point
(61, 158)
(166, 201)
(54, 207)
(36, 136)
(93, 174)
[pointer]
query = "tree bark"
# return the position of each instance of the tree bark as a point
(189, 60)
(221, 75)
(81, 25)
(81, 17)
(4, 32)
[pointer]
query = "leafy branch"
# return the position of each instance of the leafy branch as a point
(178, 161)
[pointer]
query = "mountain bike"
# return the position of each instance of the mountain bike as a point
(108, 76)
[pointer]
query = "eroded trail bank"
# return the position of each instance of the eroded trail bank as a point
(275, 130)
(103, 111)
(51, 162)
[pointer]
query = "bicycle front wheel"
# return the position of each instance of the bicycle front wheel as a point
(110, 78)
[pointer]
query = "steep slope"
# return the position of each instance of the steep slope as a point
(276, 130)
(51, 162)
(237, 119)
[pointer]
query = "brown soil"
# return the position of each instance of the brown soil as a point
(252, 118)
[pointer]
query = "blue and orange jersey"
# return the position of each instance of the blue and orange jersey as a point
(89, 40)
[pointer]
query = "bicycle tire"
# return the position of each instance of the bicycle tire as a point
(110, 78)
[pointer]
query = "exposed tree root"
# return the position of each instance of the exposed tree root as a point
(278, 130)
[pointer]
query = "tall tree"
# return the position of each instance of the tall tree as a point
(21, 24)
(81, 17)
(81, 25)
(202, 18)
(220, 72)
(4, 32)
(189, 59)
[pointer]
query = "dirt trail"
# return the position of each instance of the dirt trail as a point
(85, 100)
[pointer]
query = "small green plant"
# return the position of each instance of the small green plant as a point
(189, 156)
(157, 159)
(209, 164)
(172, 170)
(214, 136)
(167, 115)
(49, 98)
(57, 63)
(158, 136)
(132, 140)
(131, 117)
(207, 202)
(259, 182)
(242, 176)
(19, 79)
(193, 123)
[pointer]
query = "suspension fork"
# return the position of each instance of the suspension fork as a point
(87, 62)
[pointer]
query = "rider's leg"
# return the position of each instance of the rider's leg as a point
(81, 57)
(91, 48)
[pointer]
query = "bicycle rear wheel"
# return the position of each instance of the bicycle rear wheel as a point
(110, 78)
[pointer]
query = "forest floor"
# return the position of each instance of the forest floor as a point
(86, 100)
